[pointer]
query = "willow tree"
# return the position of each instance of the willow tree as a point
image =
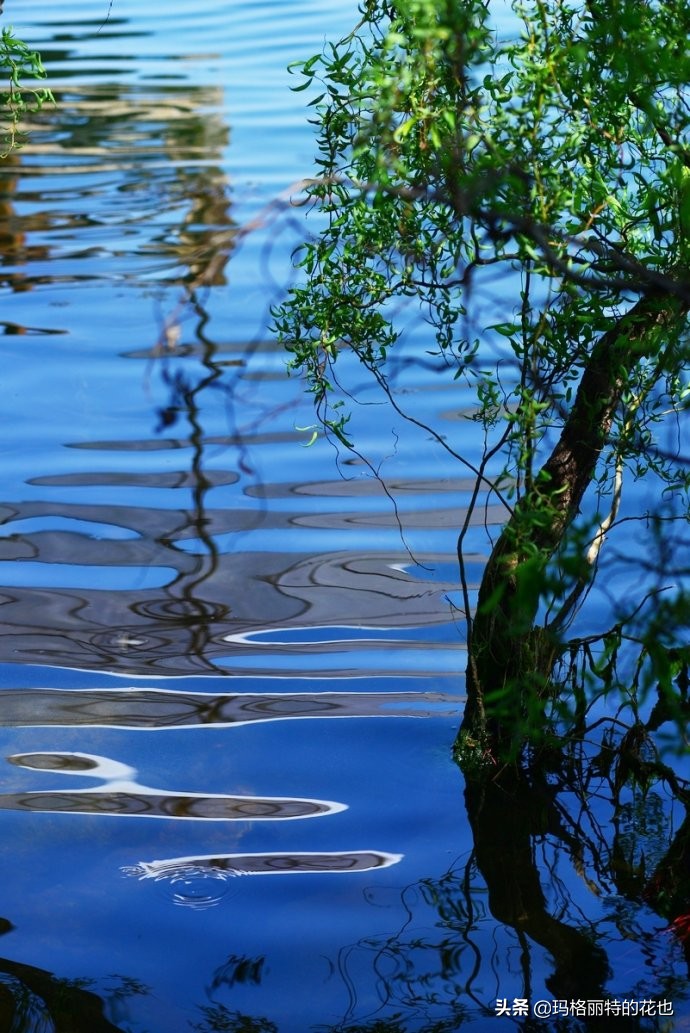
(22, 93)
(549, 144)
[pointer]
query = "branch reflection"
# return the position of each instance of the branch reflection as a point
(509, 923)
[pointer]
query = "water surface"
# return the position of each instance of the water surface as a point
(192, 592)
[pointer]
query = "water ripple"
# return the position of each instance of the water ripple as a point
(122, 795)
(139, 708)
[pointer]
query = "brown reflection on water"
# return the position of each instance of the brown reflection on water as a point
(169, 218)
(139, 195)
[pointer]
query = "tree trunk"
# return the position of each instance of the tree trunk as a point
(509, 660)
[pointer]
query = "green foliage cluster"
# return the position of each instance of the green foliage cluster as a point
(558, 154)
(21, 96)
(551, 157)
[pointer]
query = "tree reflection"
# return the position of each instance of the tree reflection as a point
(141, 198)
(33, 999)
(518, 811)
(508, 816)
(507, 922)
(238, 969)
(540, 908)
(219, 1019)
(170, 223)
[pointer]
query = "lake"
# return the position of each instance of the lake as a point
(193, 590)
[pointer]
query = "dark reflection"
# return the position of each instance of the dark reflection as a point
(238, 969)
(219, 1019)
(441, 972)
(33, 999)
(53, 762)
(214, 595)
(122, 794)
(266, 864)
(185, 604)
(426, 971)
(612, 815)
(183, 479)
(165, 708)
(668, 889)
(148, 805)
(507, 815)
(576, 893)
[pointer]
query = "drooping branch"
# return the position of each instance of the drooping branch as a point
(606, 268)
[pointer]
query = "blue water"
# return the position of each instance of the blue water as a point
(198, 605)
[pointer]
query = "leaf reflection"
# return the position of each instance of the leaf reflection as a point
(219, 1019)
(238, 969)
